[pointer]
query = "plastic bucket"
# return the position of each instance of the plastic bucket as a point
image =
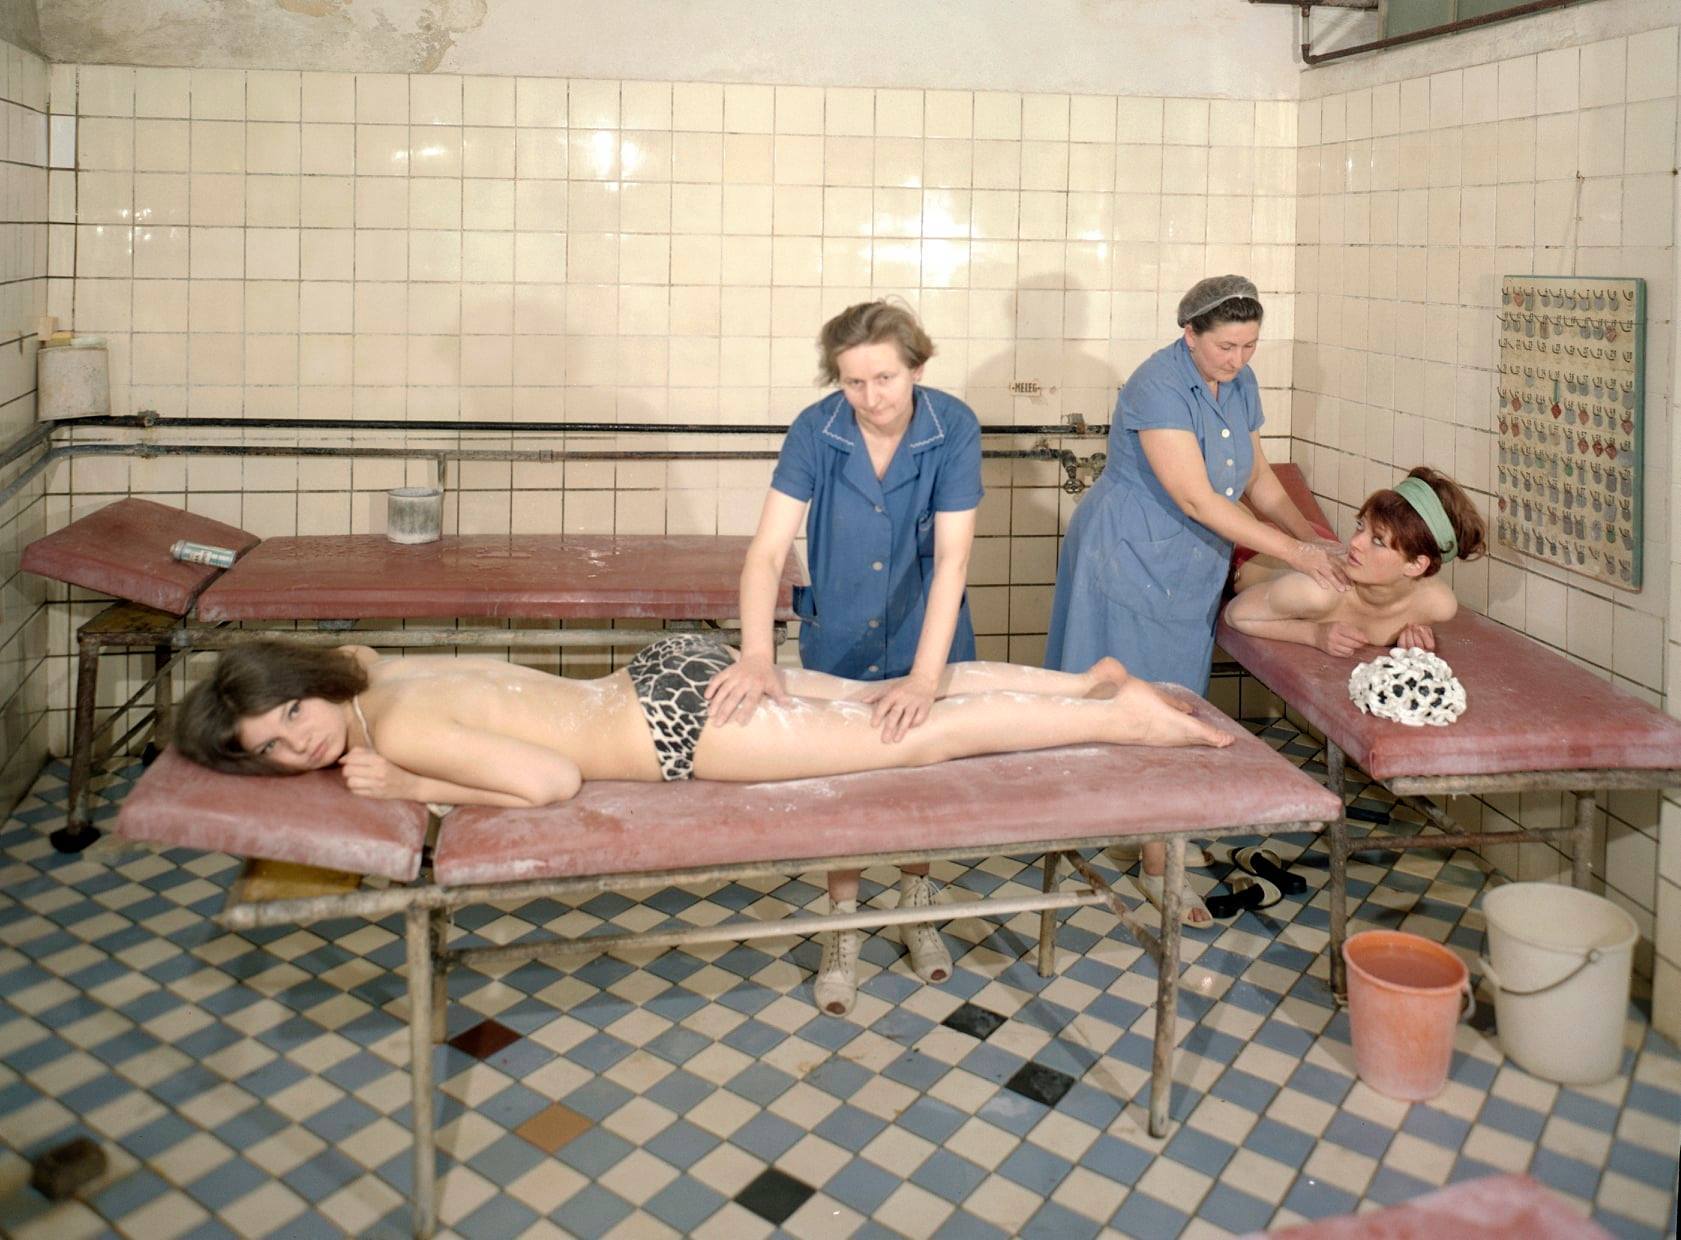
(1559, 962)
(1406, 996)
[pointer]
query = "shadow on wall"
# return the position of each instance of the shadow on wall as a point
(1049, 331)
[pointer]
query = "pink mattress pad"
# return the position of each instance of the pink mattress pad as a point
(998, 803)
(523, 576)
(1527, 708)
(123, 550)
(1296, 487)
(1497, 1207)
(307, 819)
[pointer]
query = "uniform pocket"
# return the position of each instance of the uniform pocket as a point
(1163, 578)
(805, 606)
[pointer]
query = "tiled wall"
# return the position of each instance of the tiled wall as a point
(23, 296)
(271, 245)
(1417, 193)
(434, 246)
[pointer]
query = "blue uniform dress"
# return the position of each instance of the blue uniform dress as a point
(1138, 579)
(870, 541)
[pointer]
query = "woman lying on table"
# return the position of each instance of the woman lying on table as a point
(480, 731)
(1402, 537)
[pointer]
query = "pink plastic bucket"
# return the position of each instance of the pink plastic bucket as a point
(1406, 996)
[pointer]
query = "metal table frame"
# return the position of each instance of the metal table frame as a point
(426, 909)
(1421, 793)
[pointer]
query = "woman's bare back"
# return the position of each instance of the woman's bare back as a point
(597, 724)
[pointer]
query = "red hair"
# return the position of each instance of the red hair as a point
(1390, 512)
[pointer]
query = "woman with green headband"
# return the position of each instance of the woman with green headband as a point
(1402, 537)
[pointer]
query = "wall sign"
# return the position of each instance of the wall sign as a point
(1569, 426)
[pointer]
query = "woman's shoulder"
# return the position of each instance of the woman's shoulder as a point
(954, 418)
(1434, 602)
(1296, 594)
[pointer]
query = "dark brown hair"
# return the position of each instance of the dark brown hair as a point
(1390, 512)
(1237, 310)
(249, 680)
(871, 322)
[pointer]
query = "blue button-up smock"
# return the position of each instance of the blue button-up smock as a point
(870, 541)
(1137, 578)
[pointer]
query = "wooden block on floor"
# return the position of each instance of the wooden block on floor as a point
(261, 881)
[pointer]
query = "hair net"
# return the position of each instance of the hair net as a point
(1206, 294)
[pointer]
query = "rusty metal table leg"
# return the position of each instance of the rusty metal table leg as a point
(418, 927)
(1581, 839)
(1339, 846)
(439, 940)
(78, 830)
(1167, 991)
(1047, 920)
(163, 703)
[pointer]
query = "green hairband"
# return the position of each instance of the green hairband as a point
(1427, 504)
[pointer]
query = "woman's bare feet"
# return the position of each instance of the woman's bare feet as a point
(1107, 676)
(1149, 717)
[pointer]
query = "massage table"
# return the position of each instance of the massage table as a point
(1535, 722)
(614, 836)
(336, 582)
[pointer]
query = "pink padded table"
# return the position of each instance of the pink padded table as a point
(528, 576)
(1498, 1207)
(123, 550)
(306, 819)
(1528, 708)
(974, 807)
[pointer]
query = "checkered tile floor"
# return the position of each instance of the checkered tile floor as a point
(254, 1085)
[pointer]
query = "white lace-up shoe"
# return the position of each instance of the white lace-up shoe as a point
(929, 957)
(836, 985)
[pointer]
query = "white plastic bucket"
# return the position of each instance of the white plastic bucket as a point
(1559, 961)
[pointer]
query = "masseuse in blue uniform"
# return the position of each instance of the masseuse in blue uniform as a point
(886, 476)
(1149, 547)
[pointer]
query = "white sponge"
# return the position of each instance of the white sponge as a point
(1409, 685)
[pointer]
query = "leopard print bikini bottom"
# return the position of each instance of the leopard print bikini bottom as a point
(671, 676)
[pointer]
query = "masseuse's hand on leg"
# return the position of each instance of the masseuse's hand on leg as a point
(900, 705)
(369, 775)
(735, 692)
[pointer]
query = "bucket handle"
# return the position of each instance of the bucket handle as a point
(1594, 956)
(1468, 999)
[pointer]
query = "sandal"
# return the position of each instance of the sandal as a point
(1264, 863)
(1150, 887)
(1126, 855)
(1247, 894)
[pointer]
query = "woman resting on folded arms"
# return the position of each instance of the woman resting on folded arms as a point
(480, 731)
(1402, 537)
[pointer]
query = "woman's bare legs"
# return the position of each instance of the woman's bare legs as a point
(1191, 908)
(973, 677)
(811, 738)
